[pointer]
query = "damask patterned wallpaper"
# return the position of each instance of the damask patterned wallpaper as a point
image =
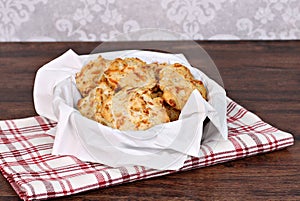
(85, 20)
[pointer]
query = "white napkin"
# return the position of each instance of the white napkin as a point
(163, 147)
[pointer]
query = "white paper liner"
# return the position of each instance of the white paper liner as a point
(163, 147)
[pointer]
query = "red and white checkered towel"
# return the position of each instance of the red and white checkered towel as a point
(26, 160)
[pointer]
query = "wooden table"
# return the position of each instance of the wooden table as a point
(262, 76)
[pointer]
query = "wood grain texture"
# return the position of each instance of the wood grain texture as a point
(262, 76)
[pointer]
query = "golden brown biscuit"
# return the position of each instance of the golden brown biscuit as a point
(177, 84)
(97, 104)
(130, 72)
(90, 74)
(128, 109)
(135, 109)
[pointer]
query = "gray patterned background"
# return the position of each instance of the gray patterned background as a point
(90, 20)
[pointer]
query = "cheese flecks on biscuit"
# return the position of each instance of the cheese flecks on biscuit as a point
(128, 109)
(135, 109)
(130, 72)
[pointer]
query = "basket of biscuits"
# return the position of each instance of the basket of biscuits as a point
(129, 94)
(120, 108)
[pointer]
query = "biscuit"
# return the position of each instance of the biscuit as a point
(97, 104)
(90, 74)
(135, 109)
(130, 72)
(177, 84)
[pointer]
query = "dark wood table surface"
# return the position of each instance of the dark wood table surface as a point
(262, 76)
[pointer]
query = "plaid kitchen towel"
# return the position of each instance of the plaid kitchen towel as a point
(26, 160)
